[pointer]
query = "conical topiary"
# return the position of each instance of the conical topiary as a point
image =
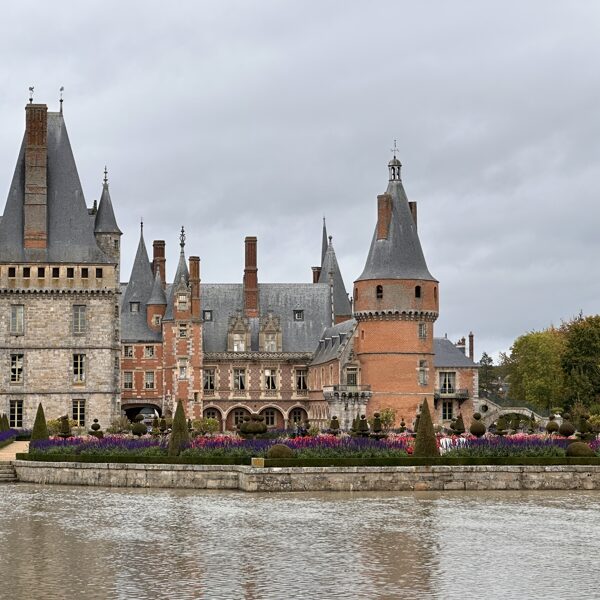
(477, 427)
(179, 432)
(425, 442)
(4, 426)
(40, 429)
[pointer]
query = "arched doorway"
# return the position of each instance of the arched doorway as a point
(212, 412)
(273, 418)
(297, 415)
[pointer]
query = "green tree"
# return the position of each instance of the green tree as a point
(179, 432)
(534, 368)
(40, 429)
(425, 441)
(388, 418)
(581, 360)
(486, 374)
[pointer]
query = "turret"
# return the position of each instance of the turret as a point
(106, 230)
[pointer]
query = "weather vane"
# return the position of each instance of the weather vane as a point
(394, 149)
(105, 175)
(31, 95)
(182, 238)
(62, 89)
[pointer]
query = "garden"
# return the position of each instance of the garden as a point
(186, 442)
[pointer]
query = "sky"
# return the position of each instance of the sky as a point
(238, 118)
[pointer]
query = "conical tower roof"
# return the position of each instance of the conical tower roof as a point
(331, 268)
(157, 296)
(399, 256)
(324, 243)
(105, 217)
(182, 275)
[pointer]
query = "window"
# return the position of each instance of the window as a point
(239, 379)
(98, 272)
(207, 315)
(447, 382)
(355, 294)
(183, 368)
(116, 363)
(148, 351)
(447, 410)
(183, 330)
(70, 272)
(208, 380)
(78, 368)
(79, 314)
(156, 320)
(85, 272)
(12, 272)
(270, 379)
(298, 315)
(270, 418)
(16, 368)
(297, 415)
(182, 302)
(55, 272)
(116, 244)
(351, 376)
(379, 292)
(15, 417)
(239, 342)
(422, 331)
(128, 351)
(417, 291)
(301, 377)
(149, 380)
(270, 342)
(134, 307)
(238, 416)
(79, 412)
(26, 272)
(128, 380)
(41, 272)
(17, 319)
(212, 413)
(423, 372)
(435, 293)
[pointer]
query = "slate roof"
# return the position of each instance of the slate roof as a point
(157, 296)
(105, 217)
(341, 303)
(400, 256)
(448, 355)
(181, 273)
(227, 299)
(332, 342)
(70, 229)
(324, 242)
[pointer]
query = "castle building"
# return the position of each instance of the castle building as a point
(59, 285)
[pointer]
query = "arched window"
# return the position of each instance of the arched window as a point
(417, 291)
(355, 293)
(435, 293)
(379, 292)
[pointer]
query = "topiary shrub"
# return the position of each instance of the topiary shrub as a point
(459, 426)
(551, 425)
(363, 426)
(162, 426)
(179, 433)
(3, 423)
(377, 427)
(95, 430)
(40, 429)
(477, 427)
(139, 428)
(334, 426)
(579, 449)
(65, 427)
(252, 426)
(280, 451)
(566, 428)
(425, 442)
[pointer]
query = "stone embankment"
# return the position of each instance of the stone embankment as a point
(297, 479)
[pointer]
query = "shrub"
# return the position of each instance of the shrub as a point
(280, 451)
(40, 429)
(425, 442)
(566, 428)
(459, 426)
(179, 434)
(552, 425)
(119, 425)
(477, 427)
(579, 449)
(4, 425)
(334, 425)
(139, 428)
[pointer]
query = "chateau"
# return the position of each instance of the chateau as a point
(82, 343)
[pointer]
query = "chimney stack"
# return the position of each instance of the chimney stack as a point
(195, 284)
(471, 346)
(250, 279)
(316, 272)
(35, 223)
(159, 262)
(384, 216)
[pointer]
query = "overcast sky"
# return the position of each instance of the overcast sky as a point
(258, 118)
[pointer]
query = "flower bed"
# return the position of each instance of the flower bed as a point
(8, 437)
(521, 445)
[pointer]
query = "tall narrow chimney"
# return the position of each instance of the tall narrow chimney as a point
(195, 285)
(316, 272)
(471, 346)
(159, 262)
(251, 279)
(413, 211)
(35, 223)
(384, 216)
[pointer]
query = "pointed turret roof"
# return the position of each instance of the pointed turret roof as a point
(341, 304)
(400, 255)
(157, 295)
(324, 243)
(105, 217)
(70, 229)
(181, 275)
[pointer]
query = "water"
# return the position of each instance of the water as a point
(97, 543)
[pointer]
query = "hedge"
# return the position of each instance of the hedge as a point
(138, 460)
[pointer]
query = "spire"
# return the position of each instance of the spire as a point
(395, 251)
(331, 274)
(324, 243)
(157, 296)
(182, 277)
(394, 165)
(105, 217)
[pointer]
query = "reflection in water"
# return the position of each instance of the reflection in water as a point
(66, 542)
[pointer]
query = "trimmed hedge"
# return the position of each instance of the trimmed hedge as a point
(7, 442)
(138, 460)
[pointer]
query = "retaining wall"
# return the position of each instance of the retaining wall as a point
(296, 479)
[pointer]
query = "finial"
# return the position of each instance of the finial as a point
(330, 238)
(142, 225)
(182, 238)
(31, 95)
(105, 175)
(394, 150)
(62, 89)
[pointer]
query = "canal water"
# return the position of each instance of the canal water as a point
(96, 543)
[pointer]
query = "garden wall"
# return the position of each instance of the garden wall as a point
(296, 479)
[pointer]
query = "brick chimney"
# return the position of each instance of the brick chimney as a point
(471, 346)
(384, 216)
(195, 284)
(158, 260)
(35, 222)
(316, 272)
(250, 279)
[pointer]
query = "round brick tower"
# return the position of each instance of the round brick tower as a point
(396, 305)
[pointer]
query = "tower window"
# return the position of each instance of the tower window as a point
(55, 272)
(207, 315)
(298, 315)
(134, 307)
(379, 292)
(79, 412)
(423, 372)
(98, 272)
(26, 272)
(355, 293)
(17, 318)
(422, 331)
(417, 291)
(78, 368)
(85, 272)
(435, 293)
(70, 272)
(41, 272)
(12, 272)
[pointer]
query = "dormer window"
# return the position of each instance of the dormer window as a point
(182, 302)
(270, 342)
(239, 342)
(298, 315)
(207, 315)
(134, 307)
(379, 292)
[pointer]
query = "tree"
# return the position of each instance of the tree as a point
(486, 374)
(534, 368)
(40, 429)
(179, 433)
(388, 418)
(425, 442)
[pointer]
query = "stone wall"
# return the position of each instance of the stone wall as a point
(297, 479)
